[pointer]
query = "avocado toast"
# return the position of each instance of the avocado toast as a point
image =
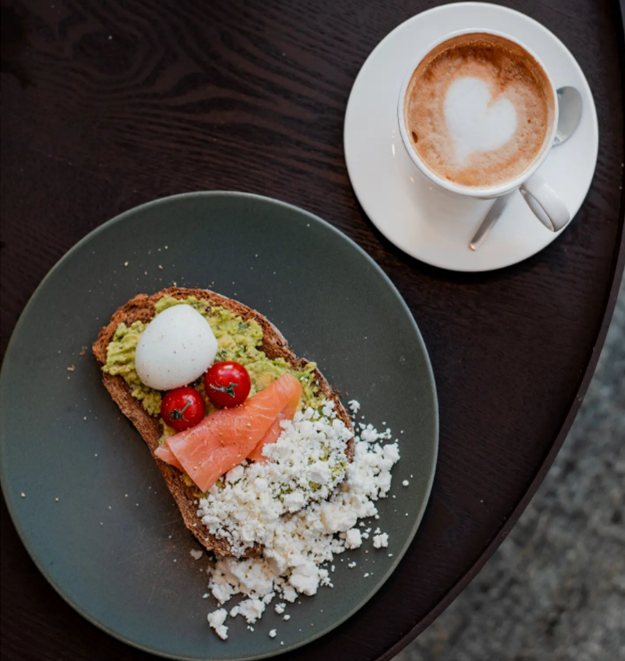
(242, 334)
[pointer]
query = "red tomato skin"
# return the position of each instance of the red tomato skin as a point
(182, 408)
(227, 383)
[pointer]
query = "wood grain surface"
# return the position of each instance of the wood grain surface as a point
(108, 104)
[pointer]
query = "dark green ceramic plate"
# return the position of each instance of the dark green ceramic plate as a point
(95, 516)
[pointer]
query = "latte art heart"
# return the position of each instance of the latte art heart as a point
(476, 123)
(478, 109)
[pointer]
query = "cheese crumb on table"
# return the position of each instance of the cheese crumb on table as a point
(272, 633)
(196, 554)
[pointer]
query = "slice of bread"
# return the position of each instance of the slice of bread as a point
(141, 308)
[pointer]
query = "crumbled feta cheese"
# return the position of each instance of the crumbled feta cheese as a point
(301, 507)
(391, 452)
(294, 501)
(217, 618)
(272, 633)
(305, 578)
(286, 617)
(369, 434)
(353, 539)
(222, 591)
(196, 554)
(308, 463)
(354, 406)
(222, 632)
(405, 483)
(289, 593)
(251, 609)
(336, 518)
(380, 541)
(320, 473)
(328, 409)
(216, 621)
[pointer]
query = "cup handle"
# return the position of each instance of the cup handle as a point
(546, 204)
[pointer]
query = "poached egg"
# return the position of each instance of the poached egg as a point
(176, 348)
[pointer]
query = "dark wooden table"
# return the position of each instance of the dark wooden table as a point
(110, 103)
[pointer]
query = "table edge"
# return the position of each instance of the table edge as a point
(618, 269)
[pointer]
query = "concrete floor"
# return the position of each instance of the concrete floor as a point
(555, 589)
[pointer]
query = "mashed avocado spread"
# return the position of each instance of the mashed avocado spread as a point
(238, 340)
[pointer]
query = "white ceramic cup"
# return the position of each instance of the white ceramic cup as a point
(546, 204)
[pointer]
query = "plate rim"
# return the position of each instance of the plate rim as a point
(32, 301)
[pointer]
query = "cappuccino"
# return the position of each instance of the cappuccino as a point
(478, 109)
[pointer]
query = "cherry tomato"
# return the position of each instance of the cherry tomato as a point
(182, 408)
(227, 383)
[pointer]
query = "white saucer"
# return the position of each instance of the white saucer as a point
(399, 200)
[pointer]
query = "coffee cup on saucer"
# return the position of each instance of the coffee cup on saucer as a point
(477, 115)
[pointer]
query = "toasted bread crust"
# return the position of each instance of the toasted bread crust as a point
(141, 308)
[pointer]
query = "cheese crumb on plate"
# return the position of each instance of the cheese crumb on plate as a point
(380, 541)
(216, 621)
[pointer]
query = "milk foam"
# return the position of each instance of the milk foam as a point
(478, 109)
(474, 120)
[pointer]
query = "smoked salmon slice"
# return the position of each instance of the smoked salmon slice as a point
(164, 453)
(227, 437)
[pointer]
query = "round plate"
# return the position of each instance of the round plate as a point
(86, 496)
(399, 200)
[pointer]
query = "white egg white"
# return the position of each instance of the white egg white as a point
(176, 348)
